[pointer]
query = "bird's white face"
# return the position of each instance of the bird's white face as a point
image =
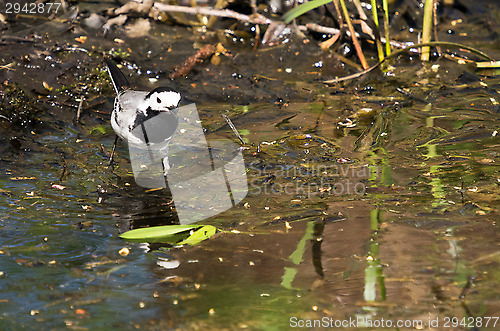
(163, 100)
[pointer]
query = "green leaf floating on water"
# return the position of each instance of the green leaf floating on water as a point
(199, 235)
(171, 234)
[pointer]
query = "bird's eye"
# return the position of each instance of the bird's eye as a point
(158, 100)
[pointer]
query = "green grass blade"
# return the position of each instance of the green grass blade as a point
(427, 28)
(380, 49)
(302, 9)
(374, 13)
(488, 65)
(385, 7)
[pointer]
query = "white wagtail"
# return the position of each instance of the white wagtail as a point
(133, 108)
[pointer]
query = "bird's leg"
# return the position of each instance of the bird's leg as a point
(113, 151)
(166, 166)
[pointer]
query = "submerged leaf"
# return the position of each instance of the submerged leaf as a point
(101, 129)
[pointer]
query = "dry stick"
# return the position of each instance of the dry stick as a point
(432, 43)
(8, 66)
(79, 110)
(257, 37)
(329, 42)
(355, 41)
(360, 10)
(235, 131)
(258, 19)
(320, 29)
(339, 14)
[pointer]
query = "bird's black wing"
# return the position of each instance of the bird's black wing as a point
(119, 80)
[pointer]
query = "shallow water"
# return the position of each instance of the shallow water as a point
(389, 215)
(308, 245)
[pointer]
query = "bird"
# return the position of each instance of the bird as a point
(134, 111)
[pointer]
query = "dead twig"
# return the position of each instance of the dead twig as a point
(79, 110)
(255, 18)
(8, 66)
(355, 41)
(360, 10)
(235, 131)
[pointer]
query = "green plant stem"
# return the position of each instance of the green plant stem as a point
(374, 12)
(488, 65)
(386, 27)
(427, 28)
(380, 49)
